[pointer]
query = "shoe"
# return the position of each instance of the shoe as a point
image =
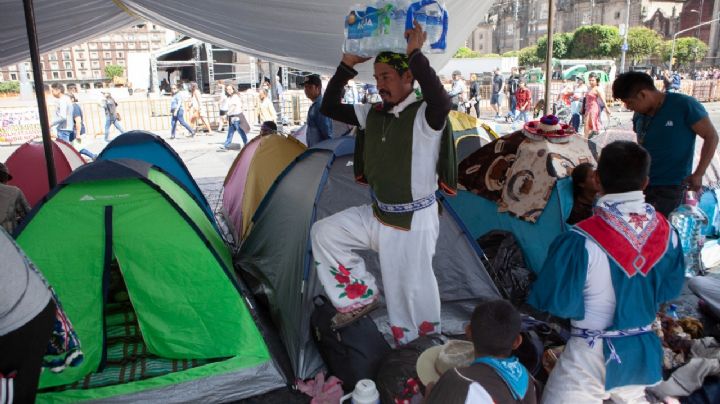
(341, 320)
(222, 148)
(192, 135)
(172, 137)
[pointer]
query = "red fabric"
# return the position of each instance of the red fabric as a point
(29, 170)
(523, 95)
(620, 249)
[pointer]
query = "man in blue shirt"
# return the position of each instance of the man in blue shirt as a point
(177, 112)
(666, 125)
(319, 127)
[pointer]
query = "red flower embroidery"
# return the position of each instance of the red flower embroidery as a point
(397, 332)
(343, 279)
(426, 328)
(343, 270)
(355, 290)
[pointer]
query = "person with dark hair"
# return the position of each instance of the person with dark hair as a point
(609, 275)
(457, 92)
(319, 126)
(594, 106)
(13, 204)
(475, 94)
(236, 118)
(523, 102)
(585, 189)
(112, 117)
(63, 113)
(400, 153)
(177, 113)
(79, 129)
(667, 125)
(196, 109)
(268, 127)
(494, 375)
(497, 88)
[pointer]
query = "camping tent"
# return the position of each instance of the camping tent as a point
(467, 134)
(29, 170)
(277, 259)
(145, 146)
(187, 307)
(238, 25)
(250, 176)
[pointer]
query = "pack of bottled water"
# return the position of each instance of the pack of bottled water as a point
(689, 220)
(380, 26)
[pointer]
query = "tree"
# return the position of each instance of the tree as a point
(9, 87)
(561, 45)
(596, 42)
(643, 43)
(511, 54)
(687, 50)
(528, 56)
(466, 52)
(112, 71)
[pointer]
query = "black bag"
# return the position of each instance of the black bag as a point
(350, 353)
(507, 265)
(398, 367)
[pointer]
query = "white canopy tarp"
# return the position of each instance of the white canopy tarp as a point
(306, 34)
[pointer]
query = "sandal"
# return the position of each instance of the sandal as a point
(341, 320)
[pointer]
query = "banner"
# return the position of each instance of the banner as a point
(18, 125)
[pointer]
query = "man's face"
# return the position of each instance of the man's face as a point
(640, 102)
(392, 87)
(173, 89)
(55, 92)
(230, 90)
(311, 91)
(522, 71)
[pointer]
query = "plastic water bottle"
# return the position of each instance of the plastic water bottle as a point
(672, 312)
(369, 43)
(433, 19)
(689, 221)
(433, 24)
(365, 393)
(354, 30)
(398, 43)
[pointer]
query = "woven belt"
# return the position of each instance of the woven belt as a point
(418, 204)
(591, 335)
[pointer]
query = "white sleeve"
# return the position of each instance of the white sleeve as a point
(478, 395)
(425, 128)
(361, 111)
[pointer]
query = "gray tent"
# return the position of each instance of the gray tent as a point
(276, 257)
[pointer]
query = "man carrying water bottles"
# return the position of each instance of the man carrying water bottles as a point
(396, 153)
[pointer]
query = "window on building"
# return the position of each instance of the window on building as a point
(120, 55)
(52, 56)
(106, 45)
(142, 37)
(131, 37)
(96, 74)
(53, 65)
(82, 65)
(121, 62)
(92, 45)
(68, 65)
(13, 76)
(93, 55)
(143, 45)
(119, 45)
(66, 55)
(617, 15)
(481, 46)
(131, 45)
(95, 64)
(80, 55)
(42, 65)
(69, 74)
(107, 55)
(56, 75)
(155, 37)
(586, 17)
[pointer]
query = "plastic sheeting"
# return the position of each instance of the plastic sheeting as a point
(302, 34)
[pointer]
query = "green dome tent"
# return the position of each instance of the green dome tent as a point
(186, 303)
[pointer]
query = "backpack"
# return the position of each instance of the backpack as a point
(507, 265)
(350, 353)
(675, 84)
(397, 376)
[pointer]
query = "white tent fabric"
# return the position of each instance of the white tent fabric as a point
(306, 34)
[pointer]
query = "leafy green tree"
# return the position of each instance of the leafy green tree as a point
(528, 56)
(561, 45)
(112, 71)
(10, 87)
(687, 50)
(511, 54)
(596, 42)
(643, 43)
(466, 52)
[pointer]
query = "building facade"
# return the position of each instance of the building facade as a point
(85, 63)
(481, 39)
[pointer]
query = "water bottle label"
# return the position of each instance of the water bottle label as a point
(370, 22)
(354, 24)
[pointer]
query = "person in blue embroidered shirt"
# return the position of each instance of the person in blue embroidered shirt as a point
(609, 275)
(667, 125)
(319, 126)
(494, 376)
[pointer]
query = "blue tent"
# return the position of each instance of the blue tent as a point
(481, 215)
(151, 148)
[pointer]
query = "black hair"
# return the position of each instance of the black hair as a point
(58, 86)
(4, 177)
(494, 325)
(579, 174)
(270, 125)
(627, 85)
(623, 167)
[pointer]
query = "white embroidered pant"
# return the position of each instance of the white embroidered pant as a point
(579, 377)
(411, 290)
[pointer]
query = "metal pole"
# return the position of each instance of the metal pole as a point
(40, 91)
(548, 57)
(625, 44)
(672, 52)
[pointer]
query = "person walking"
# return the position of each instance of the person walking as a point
(79, 129)
(112, 117)
(523, 101)
(457, 92)
(475, 94)
(497, 87)
(577, 103)
(177, 113)
(63, 113)
(196, 109)
(235, 116)
(594, 106)
(222, 105)
(266, 110)
(319, 126)
(512, 85)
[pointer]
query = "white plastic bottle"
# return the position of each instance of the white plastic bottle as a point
(689, 220)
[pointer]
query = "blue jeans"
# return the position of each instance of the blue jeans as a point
(111, 121)
(232, 128)
(513, 105)
(65, 135)
(86, 152)
(523, 115)
(179, 118)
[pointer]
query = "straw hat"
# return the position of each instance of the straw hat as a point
(549, 128)
(437, 360)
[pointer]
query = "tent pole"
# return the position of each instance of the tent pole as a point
(40, 90)
(548, 57)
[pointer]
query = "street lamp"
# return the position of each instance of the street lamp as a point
(625, 36)
(672, 52)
